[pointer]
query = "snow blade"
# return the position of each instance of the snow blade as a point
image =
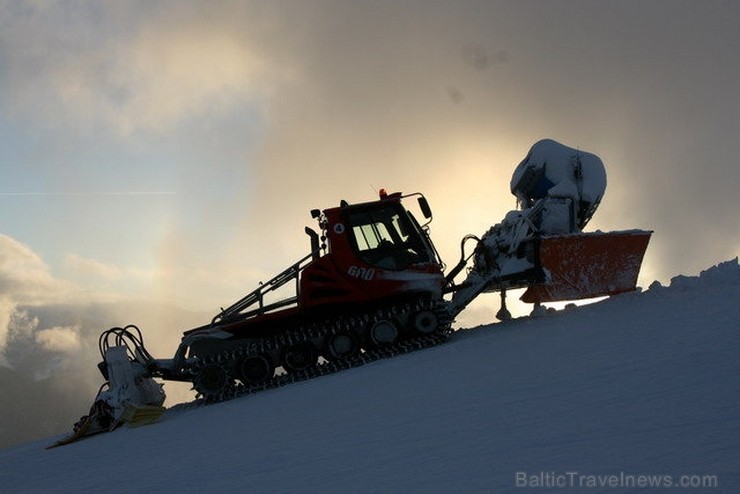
(587, 265)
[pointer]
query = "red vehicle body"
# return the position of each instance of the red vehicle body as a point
(372, 278)
(376, 251)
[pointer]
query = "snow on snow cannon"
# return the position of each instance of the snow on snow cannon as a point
(373, 286)
(541, 245)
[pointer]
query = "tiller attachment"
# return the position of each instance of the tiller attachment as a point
(130, 396)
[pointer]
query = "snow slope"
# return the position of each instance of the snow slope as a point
(640, 384)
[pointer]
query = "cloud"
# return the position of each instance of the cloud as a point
(23, 273)
(432, 96)
(133, 67)
(92, 267)
(59, 339)
(25, 279)
(42, 313)
(7, 307)
(370, 105)
(49, 330)
(169, 72)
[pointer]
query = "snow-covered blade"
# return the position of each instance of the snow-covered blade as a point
(588, 265)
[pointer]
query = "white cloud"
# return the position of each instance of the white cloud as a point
(7, 308)
(59, 339)
(129, 66)
(15, 325)
(170, 72)
(22, 272)
(91, 267)
(26, 280)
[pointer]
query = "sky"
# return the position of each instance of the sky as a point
(159, 158)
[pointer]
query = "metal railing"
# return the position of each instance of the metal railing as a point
(238, 310)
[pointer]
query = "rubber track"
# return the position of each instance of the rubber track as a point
(238, 389)
(327, 368)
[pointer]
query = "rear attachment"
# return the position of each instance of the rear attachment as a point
(129, 396)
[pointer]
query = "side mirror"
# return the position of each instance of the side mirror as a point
(315, 213)
(425, 209)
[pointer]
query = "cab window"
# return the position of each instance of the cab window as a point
(383, 237)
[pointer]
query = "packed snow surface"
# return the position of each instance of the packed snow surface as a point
(642, 384)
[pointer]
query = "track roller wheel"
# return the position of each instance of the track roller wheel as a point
(211, 381)
(341, 345)
(424, 322)
(382, 333)
(299, 357)
(255, 368)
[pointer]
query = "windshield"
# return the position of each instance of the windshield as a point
(385, 237)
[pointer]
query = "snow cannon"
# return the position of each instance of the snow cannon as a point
(541, 246)
(566, 185)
